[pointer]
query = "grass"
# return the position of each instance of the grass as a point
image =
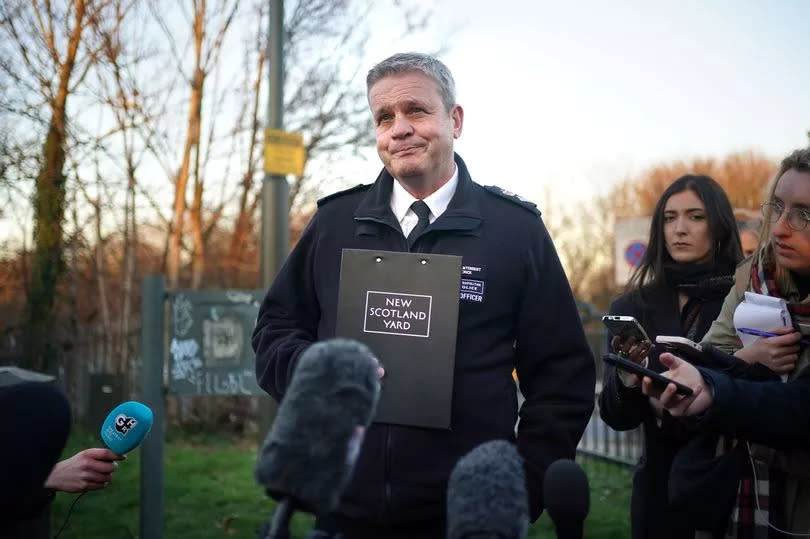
(209, 492)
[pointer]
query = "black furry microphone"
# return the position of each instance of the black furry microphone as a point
(567, 497)
(486, 494)
(307, 458)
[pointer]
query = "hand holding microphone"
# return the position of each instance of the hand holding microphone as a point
(90, 469)
(125, 427)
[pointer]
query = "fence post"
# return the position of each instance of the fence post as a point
(152, 349)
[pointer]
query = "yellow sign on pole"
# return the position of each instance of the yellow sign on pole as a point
(284, 152)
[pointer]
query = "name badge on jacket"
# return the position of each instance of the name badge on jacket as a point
(472, 283)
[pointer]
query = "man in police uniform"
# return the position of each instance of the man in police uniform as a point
(424, 200)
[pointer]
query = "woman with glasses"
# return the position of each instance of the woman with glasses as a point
(779, 268)
(677, 290)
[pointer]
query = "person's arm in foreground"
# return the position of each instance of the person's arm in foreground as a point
(555, 369)
(90, 469)
(288, 318)
(773, 413)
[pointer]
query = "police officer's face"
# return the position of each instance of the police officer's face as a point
(414, 129)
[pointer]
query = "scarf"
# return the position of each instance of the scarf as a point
(763, 281)
(699, 279)
(701, 283)
(756, 494)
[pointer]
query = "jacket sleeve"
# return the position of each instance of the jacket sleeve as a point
(288, 317)
(555, 368)
(772, 413)
(621, 407)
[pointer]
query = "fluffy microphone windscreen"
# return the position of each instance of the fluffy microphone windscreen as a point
(309, 453)
(486, 494)
(126, 426)
(567, 497)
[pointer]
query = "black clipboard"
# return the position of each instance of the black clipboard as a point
(404, 306)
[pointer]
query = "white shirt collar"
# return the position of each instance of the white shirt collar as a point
(437, 201)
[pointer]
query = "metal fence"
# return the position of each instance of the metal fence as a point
(84, 376)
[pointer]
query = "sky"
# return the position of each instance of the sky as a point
(570, 97)
(564, 99)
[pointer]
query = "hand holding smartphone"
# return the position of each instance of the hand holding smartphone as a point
(659, 381)
(629, 338)
(625, 327)
(682, 347)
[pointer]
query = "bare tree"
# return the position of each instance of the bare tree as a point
(249, 113)
(50, 58)
(18, 167)
(129, 129)
(207, 44)
(121, 92)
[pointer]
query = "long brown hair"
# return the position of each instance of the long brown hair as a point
(722, 228)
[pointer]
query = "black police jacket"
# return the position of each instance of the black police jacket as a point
(526, 319)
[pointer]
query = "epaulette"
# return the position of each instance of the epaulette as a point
(327, 198)
(512, 197)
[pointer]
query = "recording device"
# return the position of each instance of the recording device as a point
(486, 494)
(659, 381)
(126, 426)
(308, 456)
(682, 347)
(625, 327)
(567, 498)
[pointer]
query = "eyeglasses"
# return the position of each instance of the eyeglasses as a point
(797, 218)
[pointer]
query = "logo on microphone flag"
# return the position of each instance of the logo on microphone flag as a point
(123, 423)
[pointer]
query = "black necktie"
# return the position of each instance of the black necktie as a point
(422, 211)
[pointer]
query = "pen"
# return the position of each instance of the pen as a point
(760, 333)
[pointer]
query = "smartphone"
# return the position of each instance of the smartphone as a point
(682, 347)
(659, 381)
(625, 327)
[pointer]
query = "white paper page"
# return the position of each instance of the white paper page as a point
(761, 312)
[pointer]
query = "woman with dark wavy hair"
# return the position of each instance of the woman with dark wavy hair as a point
(677, 290)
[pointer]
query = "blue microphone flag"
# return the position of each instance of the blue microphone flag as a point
(126, 426)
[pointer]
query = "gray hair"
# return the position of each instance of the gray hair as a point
(408, 62)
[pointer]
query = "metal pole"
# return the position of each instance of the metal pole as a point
(275, 190)
(152, 348)
(275, 236)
